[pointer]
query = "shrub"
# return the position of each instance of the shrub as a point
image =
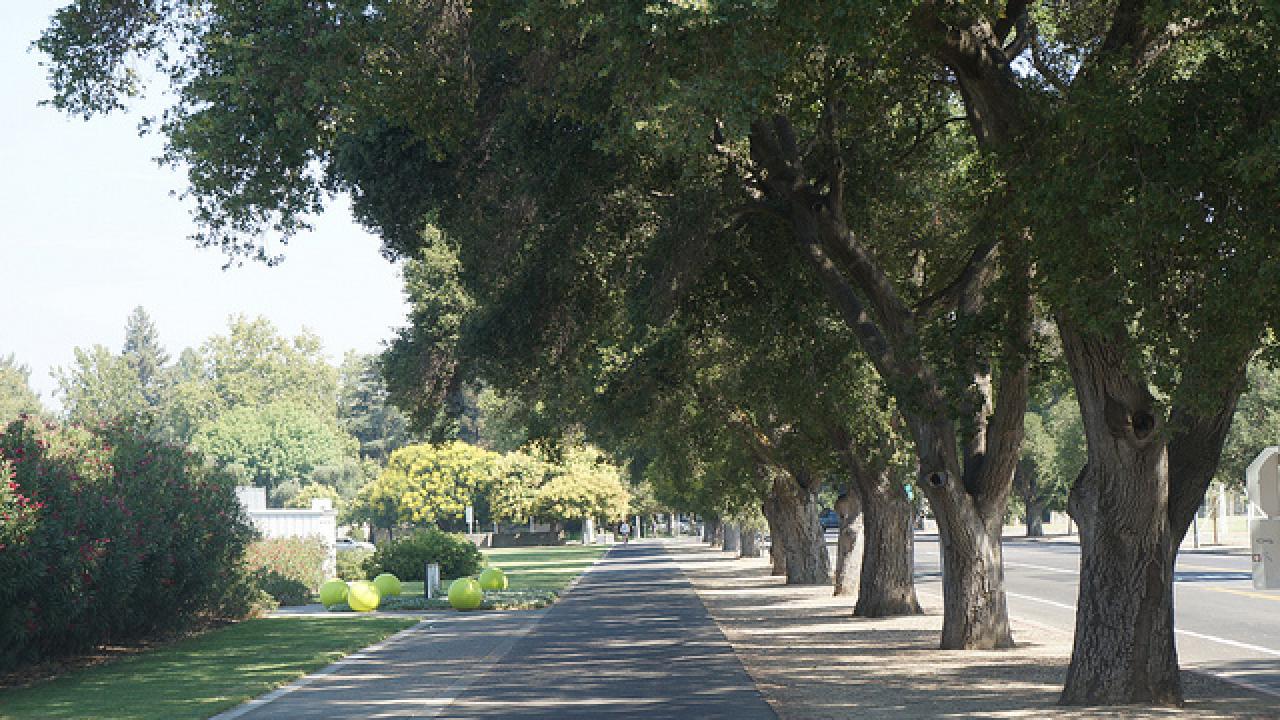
(351, 564)
(407, 558)
(109, 535)
(288, 569)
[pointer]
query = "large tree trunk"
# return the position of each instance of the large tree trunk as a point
(1124, 649)
(750, 543)
(777, 557)
(887, 584)
(804, 544)
(1033, 504)
(849, 508)
(975, 616)
(1134, 502)
(732, 538)
(1035, 518)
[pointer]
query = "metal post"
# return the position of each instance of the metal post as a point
(431, 580)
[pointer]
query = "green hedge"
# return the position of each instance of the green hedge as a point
(407, 558)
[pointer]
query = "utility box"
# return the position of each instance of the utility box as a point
(1262, 481)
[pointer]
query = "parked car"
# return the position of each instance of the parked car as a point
(349, 544)
(829, 519)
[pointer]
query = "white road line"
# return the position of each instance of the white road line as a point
(1232, 643)
(1179, 631)
(1055, 603)
(1046, 568)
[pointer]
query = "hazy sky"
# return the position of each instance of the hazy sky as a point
(88, 231)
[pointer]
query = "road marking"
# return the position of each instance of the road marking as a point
(1046, 568)
(1180, 631)
(1064, 606)
(1232, 643)
(1246, 593)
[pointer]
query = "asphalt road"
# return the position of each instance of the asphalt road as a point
(1224, 626)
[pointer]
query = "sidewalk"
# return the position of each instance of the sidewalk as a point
(812, 659)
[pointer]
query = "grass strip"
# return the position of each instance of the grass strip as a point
(202, 676)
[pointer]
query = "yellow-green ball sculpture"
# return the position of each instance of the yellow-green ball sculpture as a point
(465, 594)
(362, 596)
(493, 579)
(387, 584)
(333, 592)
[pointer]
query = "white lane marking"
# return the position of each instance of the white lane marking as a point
(1055, 603)
(1046, 568)
(1232, 643)
(1179, 631)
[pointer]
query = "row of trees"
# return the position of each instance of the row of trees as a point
(755, 247)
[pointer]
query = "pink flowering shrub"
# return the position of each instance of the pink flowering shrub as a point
(289, 569)
(107, 536)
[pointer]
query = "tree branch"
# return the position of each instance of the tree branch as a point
(976, 274)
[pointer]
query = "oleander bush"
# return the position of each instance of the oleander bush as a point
(288, 569)
(107, 535)
(407, 558)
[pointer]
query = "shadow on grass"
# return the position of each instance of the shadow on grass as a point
(198, 677)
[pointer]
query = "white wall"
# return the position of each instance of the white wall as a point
(321, 521)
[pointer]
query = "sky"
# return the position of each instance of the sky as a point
(89, 231)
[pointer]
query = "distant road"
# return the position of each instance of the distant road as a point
(1223, 624)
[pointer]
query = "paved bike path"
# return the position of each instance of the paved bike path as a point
(631, 640)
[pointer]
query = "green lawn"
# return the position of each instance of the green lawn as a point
(202, 676)
(535, 568)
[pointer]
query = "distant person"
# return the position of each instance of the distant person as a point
(624, 529)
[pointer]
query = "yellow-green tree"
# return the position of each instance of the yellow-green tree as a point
(515, 485)
(428, 484)
(585, 484)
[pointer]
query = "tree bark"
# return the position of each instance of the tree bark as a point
(732, 538)
(796, 515)
(849, 508)
(777, 557)
(750, 543)
(1124, 649)
(1035, 519)
(887, 584)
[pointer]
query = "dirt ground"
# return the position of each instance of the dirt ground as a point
(813, 660)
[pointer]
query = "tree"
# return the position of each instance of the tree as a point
(16, 395)
(144, 354)
(253, 365)
(582, 485)
(1133, 137)
(364, 410)
(313, 491)
(432, 484)
(561, 157)
(1053, 455)
(1256, 424)
(274, 443)
(101, 386)
(514, 487)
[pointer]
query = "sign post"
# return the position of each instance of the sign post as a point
(471, 519)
